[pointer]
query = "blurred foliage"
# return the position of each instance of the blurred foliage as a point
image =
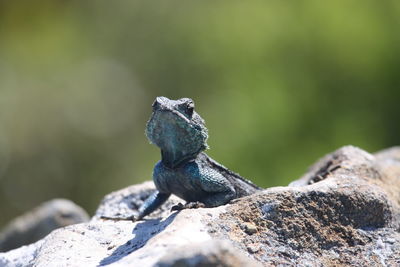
(279, 83)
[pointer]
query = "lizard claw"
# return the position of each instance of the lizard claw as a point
(178, 206)
(130, 218)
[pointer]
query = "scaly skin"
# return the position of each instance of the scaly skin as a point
(184, 169)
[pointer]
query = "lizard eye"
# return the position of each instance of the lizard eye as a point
(186, 107)
(190, 109)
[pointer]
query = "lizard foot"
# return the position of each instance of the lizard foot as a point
(130, 218)
(189, 205)
(194, 205)
(178, 206)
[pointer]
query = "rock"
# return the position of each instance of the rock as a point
(210, 253)
(249, 228)
(345, 211)
(253, 248)
(39, 222)
(21, 257)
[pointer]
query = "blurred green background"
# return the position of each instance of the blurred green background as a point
(279, 83)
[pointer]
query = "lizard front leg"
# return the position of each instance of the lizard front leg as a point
(152, 203)
(149, 205)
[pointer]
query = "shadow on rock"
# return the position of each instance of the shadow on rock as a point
(143, 232)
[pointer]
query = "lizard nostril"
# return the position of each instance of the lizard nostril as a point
(155, 104)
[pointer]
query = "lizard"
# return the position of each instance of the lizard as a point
(185, 170)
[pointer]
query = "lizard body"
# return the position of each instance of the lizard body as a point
(184, 169)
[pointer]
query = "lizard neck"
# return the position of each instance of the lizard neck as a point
(174, 160)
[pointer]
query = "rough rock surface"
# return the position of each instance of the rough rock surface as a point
(345, 211)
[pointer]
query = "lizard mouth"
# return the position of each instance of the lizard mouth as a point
(165, 126)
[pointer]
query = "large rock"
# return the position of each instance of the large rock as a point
(39, 222)
(344, 211)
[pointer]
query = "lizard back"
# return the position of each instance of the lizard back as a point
(242, 186)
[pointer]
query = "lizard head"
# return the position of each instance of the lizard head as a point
(177, 130)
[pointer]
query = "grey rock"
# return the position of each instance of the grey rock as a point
(211, 253)
(249, 228)
(37, 223)
(22, 257)
(345, 211)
